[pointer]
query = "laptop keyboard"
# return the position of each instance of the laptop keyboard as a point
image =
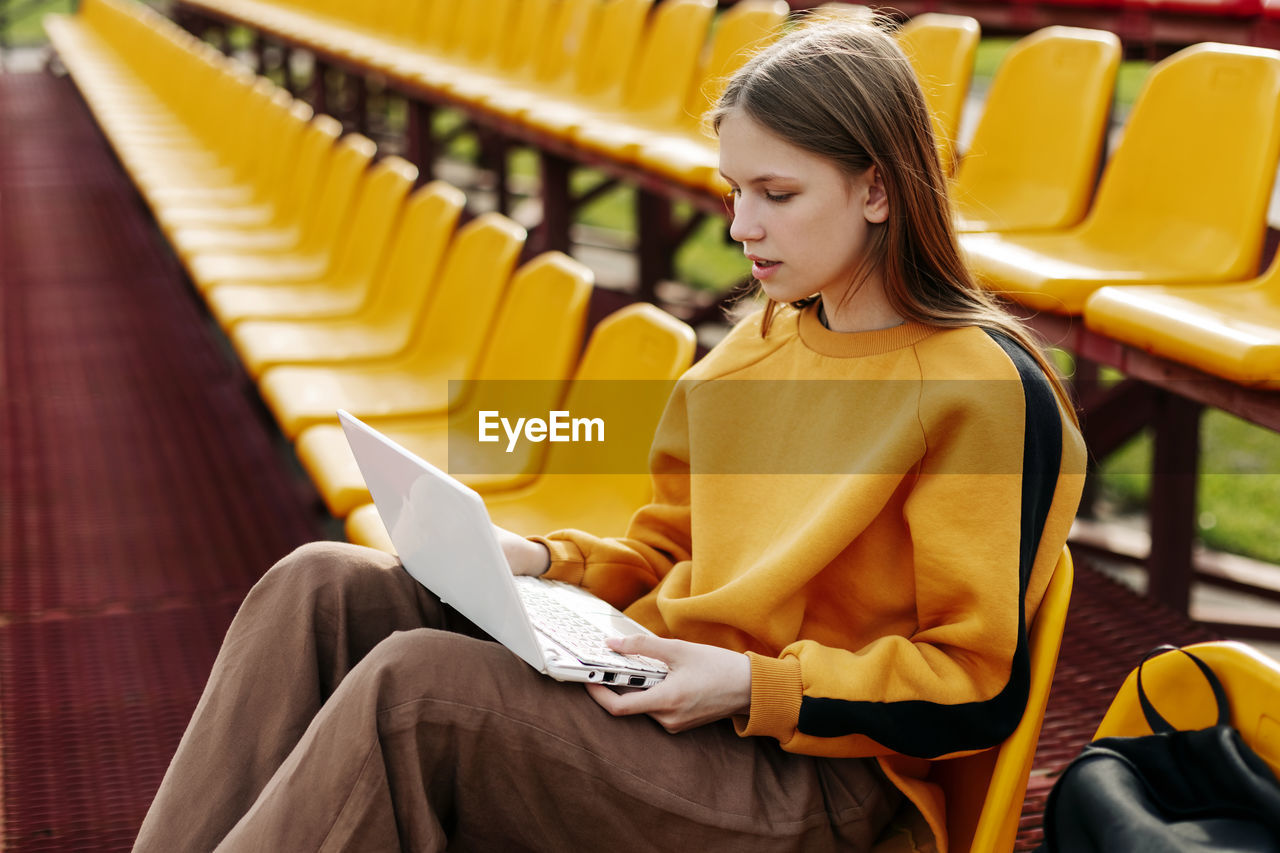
(575, 633)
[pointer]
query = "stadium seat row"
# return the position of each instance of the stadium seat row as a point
(1026, 183)
(342, 286)
(1149, 26)
(1176, 226)
(628, 80)
(1034, 173)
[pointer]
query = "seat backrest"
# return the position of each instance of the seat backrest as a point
(745, 27)
(624, 377)
(381, 18)
(941, 49)
(1191, 177)
(462, 307)
(404, 21)
(270, 105)
(529, 27)
(664, 70)
(409, 275)
(483, 27)
(528, 357)
(379, 200)
(338, 182)
(226, 100)
(609, 56)
(233, 137)
(538, 332)
(1036, 150)
(1181, 694)
(571, 30)
(278, 160)
(440, 26)
(302, 186)
(984, 792)
(640, 341)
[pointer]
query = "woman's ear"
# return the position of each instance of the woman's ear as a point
(876, 204)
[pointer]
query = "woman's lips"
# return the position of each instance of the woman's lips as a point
(762, 268)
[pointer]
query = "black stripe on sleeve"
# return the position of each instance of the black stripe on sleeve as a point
(928, 729)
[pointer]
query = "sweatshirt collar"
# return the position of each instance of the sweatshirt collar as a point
(857, 344)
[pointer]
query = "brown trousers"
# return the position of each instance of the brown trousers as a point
(350, 710)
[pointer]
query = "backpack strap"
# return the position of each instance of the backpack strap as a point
(1158, 723)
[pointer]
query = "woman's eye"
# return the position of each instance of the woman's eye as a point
(778, 198)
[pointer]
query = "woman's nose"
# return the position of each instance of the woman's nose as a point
(744, 226)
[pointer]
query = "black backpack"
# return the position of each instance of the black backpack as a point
(1167, 792)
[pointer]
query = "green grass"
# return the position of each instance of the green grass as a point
(1239, 487)
(26, 29)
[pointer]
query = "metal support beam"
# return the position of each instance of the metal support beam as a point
(318, 91)
(1172, 508)
(494, 148)
(420, 144)
(557, 203)
(655, 244)
(259, 53)
(357, 101)
(286, 70)
(1117, 414)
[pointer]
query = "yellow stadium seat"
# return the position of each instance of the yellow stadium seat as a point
(654, 99)
(1179, 691)
(383, 326)
(517, 59)
(554, 65)
(485, 31)
(447, 346)
(1034, 158)
(637, 343)
(293, 205)
(601, 75)
(362, 36)
(175, 156)
(322, 24)
(1161, 214)
(263, 208)
(1227, 330)
(315, 254)
(432, 41)
(984, 791)
(530, 353)
(941, 49)
(403, 33)
(359, 253)
(690, 153)
(456, 38)
(257, 171)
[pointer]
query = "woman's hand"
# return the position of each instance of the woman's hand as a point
(524, 556)
(704, 684)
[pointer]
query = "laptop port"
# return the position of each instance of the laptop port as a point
(636, 681)
(610, 677)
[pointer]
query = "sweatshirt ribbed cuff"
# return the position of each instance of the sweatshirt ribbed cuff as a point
(567, 562)
(776, 690)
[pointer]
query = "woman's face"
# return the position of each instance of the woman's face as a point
(801, 220)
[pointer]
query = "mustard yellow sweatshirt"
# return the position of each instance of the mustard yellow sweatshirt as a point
(872, 517)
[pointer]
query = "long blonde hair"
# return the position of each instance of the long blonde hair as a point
(843, 89)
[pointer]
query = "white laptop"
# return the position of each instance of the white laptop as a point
(444, 537)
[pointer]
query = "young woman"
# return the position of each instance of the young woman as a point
(859, 497)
